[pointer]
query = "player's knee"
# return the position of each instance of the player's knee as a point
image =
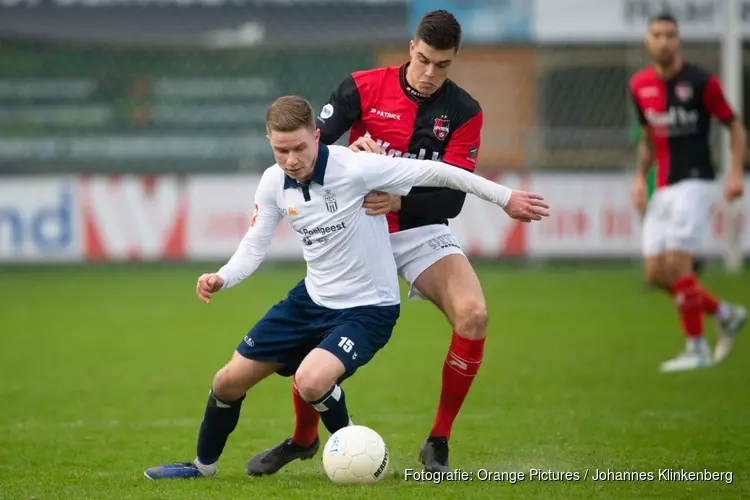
(679, 264)
(471, 319)
(653, 276)
(656, 272)
(226, 386)
(312, 384)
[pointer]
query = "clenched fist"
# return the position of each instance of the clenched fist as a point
(734, 187)
(639, 194)
(207, 285)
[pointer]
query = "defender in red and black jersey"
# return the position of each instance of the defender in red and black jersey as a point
(413, 110)
(443, 125)
(675, 102)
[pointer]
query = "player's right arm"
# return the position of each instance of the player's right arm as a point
(645, 157)
(252, 249)
(645, 144)
(399, 175)
(343, 109)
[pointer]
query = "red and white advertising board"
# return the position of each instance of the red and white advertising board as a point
(203, 217)
(133, 218)
(220, 212)
(592, 216)
(484, 230)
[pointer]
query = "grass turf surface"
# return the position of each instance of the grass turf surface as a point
(106, 372)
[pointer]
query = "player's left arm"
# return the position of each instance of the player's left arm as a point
(461, 151)
(716, 104)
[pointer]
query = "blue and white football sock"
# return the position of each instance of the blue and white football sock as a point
(332, 409)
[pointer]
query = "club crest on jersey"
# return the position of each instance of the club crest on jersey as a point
(330, 200)
(441, 128)
(683, 91)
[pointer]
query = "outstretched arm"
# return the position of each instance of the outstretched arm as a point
(399, 175)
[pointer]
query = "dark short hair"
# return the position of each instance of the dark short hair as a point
(440, 30)
(665, 17)
(289, 114)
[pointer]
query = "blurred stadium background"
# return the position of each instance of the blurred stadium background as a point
(176, 90)
(132, 131)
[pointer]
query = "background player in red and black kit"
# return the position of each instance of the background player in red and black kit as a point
(675, 101)
(413, 110)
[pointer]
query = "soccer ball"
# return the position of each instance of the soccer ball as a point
(355, 455)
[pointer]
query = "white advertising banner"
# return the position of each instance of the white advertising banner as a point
(39, 220)
(220, 208)
(484, 230)
(625, 20)
(592, 216)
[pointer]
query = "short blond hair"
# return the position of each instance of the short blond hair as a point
(289, 113)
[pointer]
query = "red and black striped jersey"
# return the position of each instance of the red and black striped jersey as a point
(678, 113)
(444, 126)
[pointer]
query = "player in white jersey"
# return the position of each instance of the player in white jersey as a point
(344, 310)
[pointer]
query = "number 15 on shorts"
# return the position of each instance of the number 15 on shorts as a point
(346, 344)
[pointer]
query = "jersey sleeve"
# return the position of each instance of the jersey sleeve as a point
(462, 149)
(252, 249)
(715, 102)
(343, 109)
(390, 174)
(398, 175)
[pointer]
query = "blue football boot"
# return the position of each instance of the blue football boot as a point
(180, 470)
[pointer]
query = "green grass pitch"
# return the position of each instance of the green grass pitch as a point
(105, 371)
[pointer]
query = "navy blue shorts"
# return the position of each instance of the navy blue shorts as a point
(297, 325)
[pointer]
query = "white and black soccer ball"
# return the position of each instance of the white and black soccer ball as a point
(355, 455)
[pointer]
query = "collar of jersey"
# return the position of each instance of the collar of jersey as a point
(319, 172)
(412, 93)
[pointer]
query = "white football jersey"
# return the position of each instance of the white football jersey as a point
(348, 253)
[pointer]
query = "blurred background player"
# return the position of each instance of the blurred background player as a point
(635, 137)
(675, 101)
(414, 110)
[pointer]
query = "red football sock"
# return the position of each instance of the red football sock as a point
(688, 296)
(306, 420)
(710, 304)
(461, 366)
